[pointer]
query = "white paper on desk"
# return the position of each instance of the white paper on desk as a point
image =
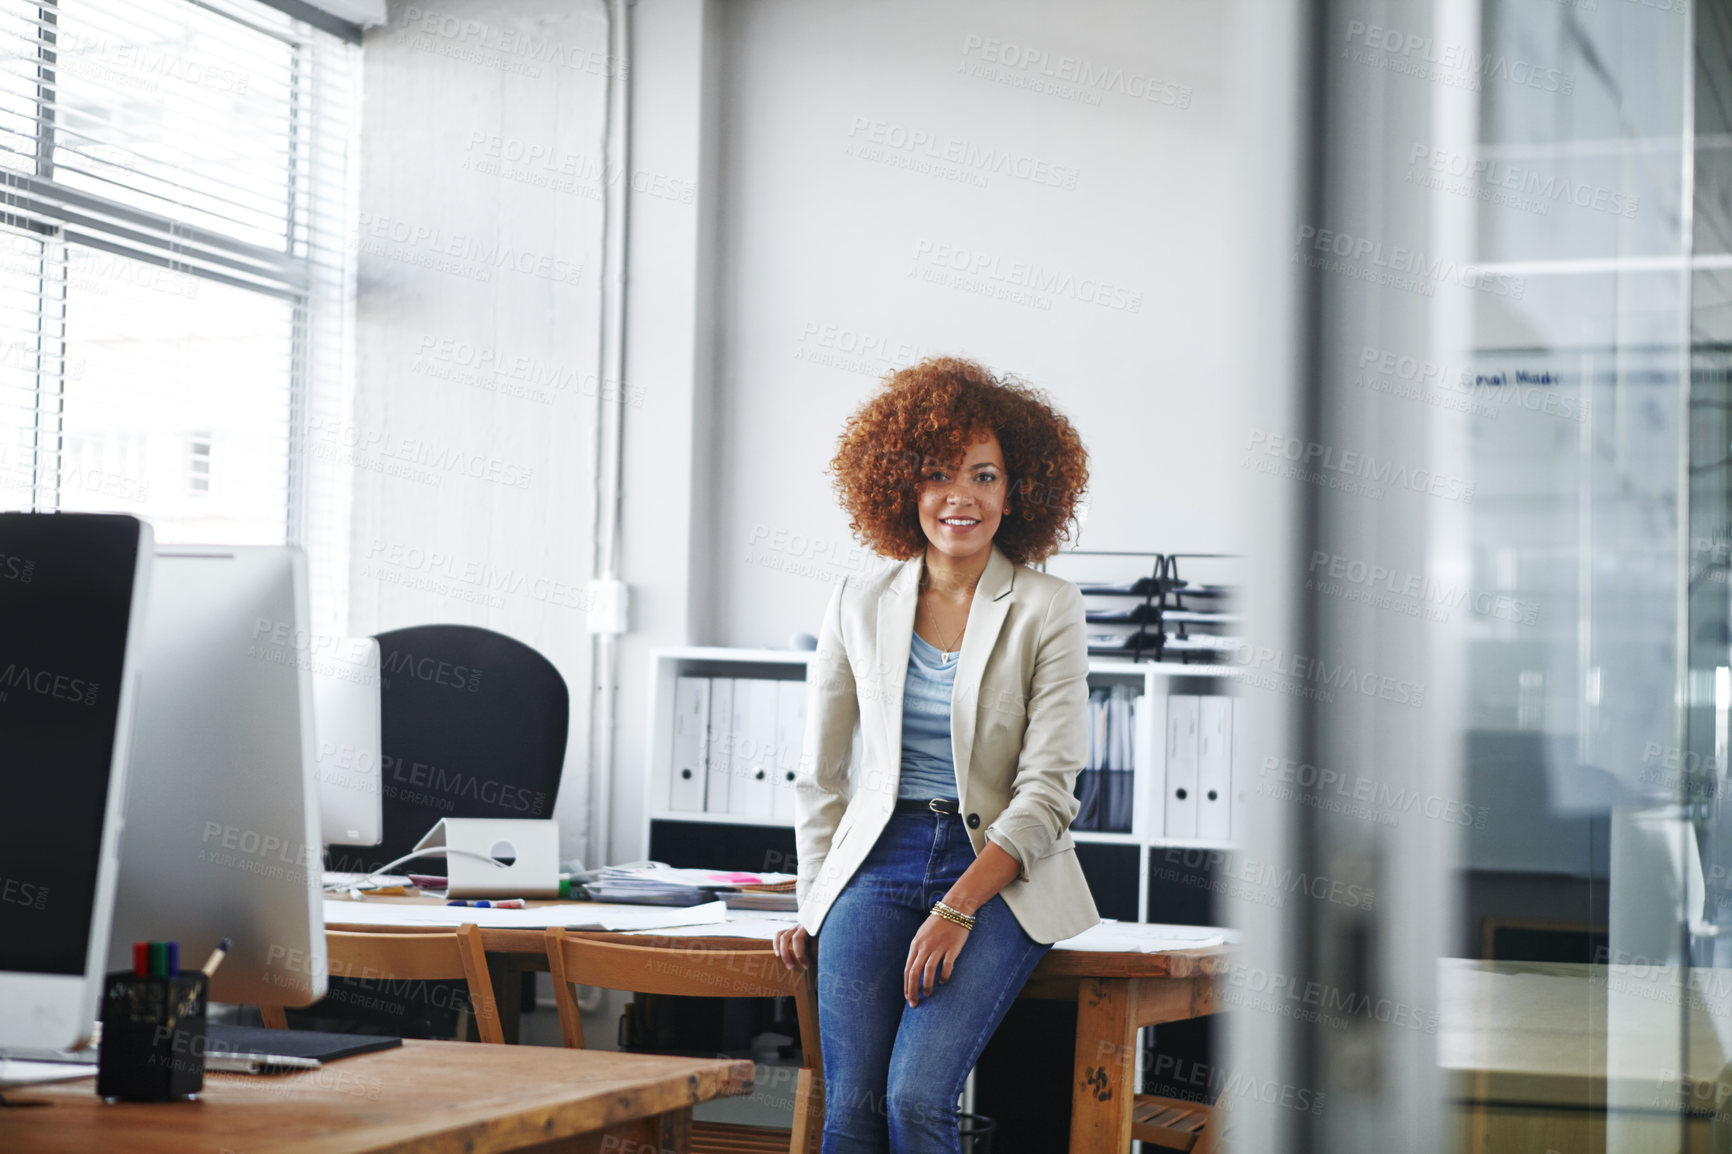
(690, 877)
(760, 925)
(1144, 938)
(571, 915)
(639, 917)
(345, 880)
(23, 1072)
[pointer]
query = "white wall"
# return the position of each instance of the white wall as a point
(477, 332)
(822, 247)
(793, 248)
(762, 255)
(665, 522)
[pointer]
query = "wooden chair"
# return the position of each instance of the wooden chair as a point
(1175, 1124)
(710, 973)
(416, 958)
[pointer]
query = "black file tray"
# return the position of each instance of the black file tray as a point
(1162, 599)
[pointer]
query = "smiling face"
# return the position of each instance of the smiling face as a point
(960, 510)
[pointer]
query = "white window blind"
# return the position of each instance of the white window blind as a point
(176, 286)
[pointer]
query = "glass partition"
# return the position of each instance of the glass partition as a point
(1509, 656)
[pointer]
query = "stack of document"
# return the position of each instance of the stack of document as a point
(661, 885)
(780, 901)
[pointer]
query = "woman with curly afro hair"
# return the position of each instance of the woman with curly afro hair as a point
(940, 866)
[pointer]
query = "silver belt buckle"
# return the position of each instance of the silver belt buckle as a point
(932, 804)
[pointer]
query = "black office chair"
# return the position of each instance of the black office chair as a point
(473, 724)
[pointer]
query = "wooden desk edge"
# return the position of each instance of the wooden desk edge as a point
(1198, 962)
(540, 1114)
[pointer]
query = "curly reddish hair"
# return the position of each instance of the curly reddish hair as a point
(927, 415)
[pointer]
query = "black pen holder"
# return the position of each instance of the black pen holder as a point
(153, 1037)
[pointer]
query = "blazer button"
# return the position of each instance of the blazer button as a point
(973, 821)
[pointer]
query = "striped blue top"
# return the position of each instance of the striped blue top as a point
(928, 770)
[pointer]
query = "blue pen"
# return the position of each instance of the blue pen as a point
(483, 903)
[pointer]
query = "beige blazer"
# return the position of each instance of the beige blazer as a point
(1018, 735)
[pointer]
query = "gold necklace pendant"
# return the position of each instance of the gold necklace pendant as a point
(945, 652)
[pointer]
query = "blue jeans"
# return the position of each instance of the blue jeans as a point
(893, 1072)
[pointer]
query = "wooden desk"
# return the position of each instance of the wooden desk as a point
(1545, 1055)
(431, 1097)
(1115, 995)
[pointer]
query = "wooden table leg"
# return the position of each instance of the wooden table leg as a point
(1105, 1069)
(675, 1131)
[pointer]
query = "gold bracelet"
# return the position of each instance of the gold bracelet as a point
(950, 915)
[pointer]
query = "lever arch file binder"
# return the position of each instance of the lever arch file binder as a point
(719, 767)
(739, 756)
(1238, 770)
(691, 735)
(1152, 762)
(790, 739)
(759, 747)
(1182, 710)
(1214, 767)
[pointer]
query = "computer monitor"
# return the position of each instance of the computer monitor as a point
(346, 720)
(73, 589)
(222, 818)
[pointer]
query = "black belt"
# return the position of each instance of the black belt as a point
(934, 805)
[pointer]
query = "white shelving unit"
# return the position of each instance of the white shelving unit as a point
(1155, 680)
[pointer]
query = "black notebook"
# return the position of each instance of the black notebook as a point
(224, 1039)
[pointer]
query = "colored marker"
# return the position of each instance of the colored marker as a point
(158, 960)
(216, 956)
(171, 959)
(506, 904)
(141, 959)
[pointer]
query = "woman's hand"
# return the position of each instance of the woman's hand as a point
(791, 947)
(932, 953)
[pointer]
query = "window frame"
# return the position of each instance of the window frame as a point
(30, 201)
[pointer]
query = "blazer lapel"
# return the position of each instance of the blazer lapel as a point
(986, 614)
(896, 607)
